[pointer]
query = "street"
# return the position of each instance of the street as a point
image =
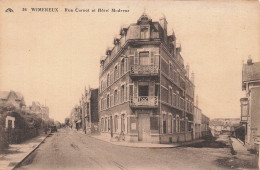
(68, 149)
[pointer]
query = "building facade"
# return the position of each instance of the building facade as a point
(250, 105)
(145, 91)
(76, 117)
(89, 104)
(201, 124)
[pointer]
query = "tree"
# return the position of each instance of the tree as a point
(67, 121)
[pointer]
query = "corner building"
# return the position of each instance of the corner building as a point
(145, 91)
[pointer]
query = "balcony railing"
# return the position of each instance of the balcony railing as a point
(144, 101)
(144, 70)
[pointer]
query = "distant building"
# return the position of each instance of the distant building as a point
(41, 110)
(89, 104)
(200, 122)
(12, 97)
(76, 117)
(220, 126)
(197, 123)
(145, 90)
(250, 105)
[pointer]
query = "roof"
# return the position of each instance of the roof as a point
(5, 94)
(251, 71)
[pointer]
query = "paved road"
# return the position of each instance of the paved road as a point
(68, 149)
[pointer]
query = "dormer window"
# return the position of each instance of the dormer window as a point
(144, 33)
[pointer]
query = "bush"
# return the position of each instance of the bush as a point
(27, 126)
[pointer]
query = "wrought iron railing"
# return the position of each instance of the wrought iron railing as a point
(144, 69)
(144, 101)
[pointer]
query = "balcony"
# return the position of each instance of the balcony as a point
(144, 70)
(144, 101)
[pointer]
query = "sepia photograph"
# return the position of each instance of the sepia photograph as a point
(129, 85)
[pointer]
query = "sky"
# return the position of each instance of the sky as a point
(52, 57)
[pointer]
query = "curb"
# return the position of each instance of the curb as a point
(180, 145)
(19, 163)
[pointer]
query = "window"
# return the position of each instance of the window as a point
(174, 99)
(177, 124)
(115, 73)
(122, 67)
(144, 58)
(122, 93)
(108, 99)
(170, 96)
(171, 70)
(144, 33)
(115, 97)
(123, 122)
(111, 100)
(157, 88)
(112, 77)
(101, 83)
(143, 90)
(131, 90)
(108, 80)
(170, 124)
(164, 124)
(102, 125)
(182, 126)
(154, 123)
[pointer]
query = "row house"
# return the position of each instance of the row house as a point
(200, 122)
(76, 117)
(145, 90)
(250, 104)
(89, 105)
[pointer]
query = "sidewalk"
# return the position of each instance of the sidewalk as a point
(143, 145)
(16, 153)
(239, 147)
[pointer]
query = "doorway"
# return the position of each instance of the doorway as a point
(144, 127)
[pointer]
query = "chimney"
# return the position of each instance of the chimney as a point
(249, 61)
(188, 70)
(163, 24)
(192, 77)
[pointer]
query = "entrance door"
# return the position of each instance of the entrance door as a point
(144, 128)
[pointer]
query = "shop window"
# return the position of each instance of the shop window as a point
(164, 124)
(170, 124)
(116, 123)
